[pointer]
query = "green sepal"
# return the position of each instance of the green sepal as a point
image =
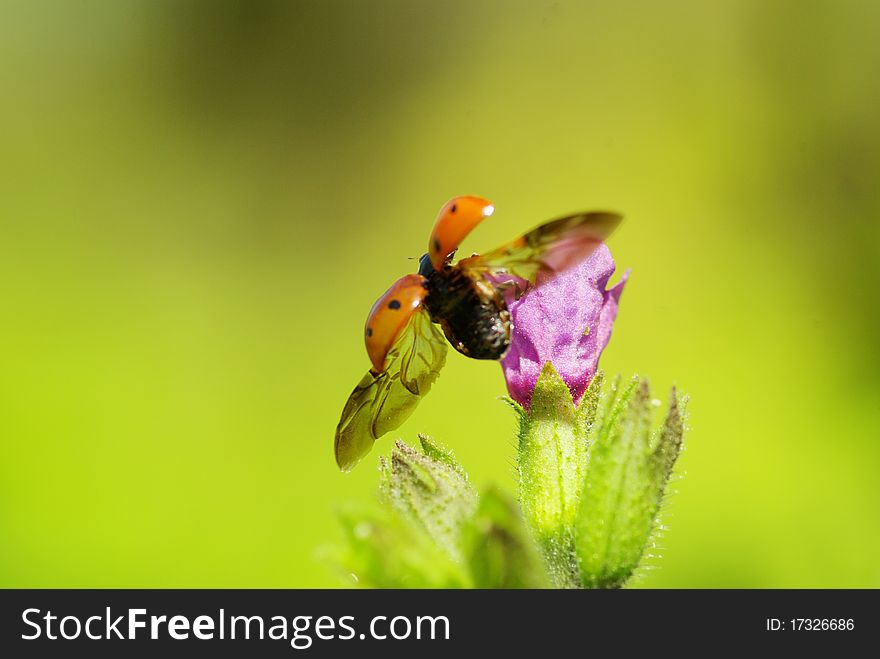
(625, 481)
(552, 460)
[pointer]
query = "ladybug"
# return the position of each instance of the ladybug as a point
(408, 327)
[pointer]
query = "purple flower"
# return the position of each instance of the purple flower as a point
(566, 320)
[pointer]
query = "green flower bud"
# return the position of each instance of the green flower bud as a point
(432, 490)
(382, 550)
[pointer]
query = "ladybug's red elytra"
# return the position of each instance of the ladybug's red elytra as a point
(463, 301)
(457, 218)
(389, 316)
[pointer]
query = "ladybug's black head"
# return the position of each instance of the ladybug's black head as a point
(425, 267)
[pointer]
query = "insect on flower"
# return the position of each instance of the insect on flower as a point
(465, 301)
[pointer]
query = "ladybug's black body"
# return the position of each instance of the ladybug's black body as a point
(473, 317)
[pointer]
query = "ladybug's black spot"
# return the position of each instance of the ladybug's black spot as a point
(453, 208)
(369, 331)
(436, 245)
(394, 304)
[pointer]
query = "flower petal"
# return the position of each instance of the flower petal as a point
(564, 319)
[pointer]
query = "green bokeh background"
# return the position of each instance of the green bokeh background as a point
(199, 202)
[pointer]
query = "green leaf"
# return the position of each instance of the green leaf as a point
(627, 474)
(498, 548)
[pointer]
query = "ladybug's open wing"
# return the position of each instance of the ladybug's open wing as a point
(551, 247)
(382, 401)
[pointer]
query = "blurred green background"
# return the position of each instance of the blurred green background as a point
(200, 200)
